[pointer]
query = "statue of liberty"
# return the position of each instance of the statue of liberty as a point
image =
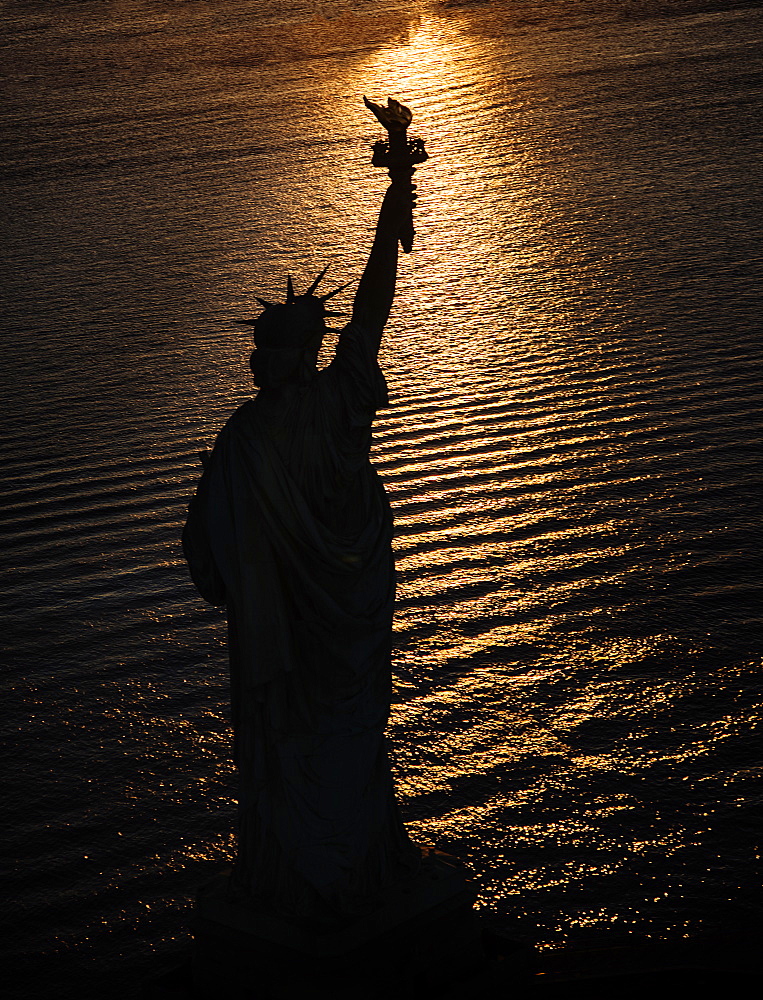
(290, 530)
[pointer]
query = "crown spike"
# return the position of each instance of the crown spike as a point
(317, 281)
(289, 289)
(263, 302)
(330, 295)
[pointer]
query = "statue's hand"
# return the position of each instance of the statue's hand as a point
(397, 211)
(402, 190)
(399, 202)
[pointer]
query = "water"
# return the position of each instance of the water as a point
(572, 451)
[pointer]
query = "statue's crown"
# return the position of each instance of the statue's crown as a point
(296, 321)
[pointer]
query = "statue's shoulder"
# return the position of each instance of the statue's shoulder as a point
(239, 426)
(357, 371)
(242, 419)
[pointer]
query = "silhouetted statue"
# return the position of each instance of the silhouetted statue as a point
(291, 531)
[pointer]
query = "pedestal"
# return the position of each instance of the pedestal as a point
(424, 935)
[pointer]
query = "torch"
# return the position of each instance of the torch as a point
(398, 153)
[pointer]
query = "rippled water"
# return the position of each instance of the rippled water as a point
(573, 450)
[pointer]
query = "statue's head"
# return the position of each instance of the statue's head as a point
(294, 324)
(288, 335)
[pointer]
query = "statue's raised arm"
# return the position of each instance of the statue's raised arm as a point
(376, 290)
(373, 299)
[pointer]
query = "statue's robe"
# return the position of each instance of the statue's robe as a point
(291, 530)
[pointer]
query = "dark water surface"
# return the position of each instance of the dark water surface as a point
(573, 450)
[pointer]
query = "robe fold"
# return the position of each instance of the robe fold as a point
(291, 530)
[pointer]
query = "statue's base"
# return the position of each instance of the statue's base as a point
(425, 934)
